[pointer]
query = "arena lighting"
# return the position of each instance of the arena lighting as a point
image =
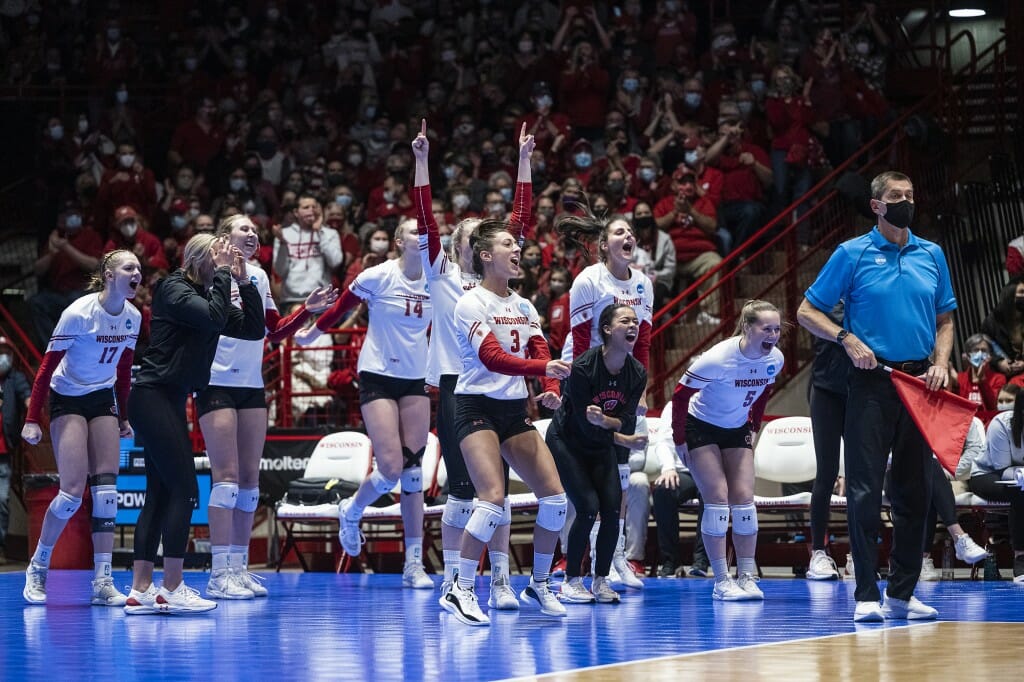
(967, 9)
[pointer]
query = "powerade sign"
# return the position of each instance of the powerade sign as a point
(131, 495)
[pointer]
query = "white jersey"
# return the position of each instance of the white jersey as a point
(239, 363)
(447, 285)
(594, 289)
(399, 310)
(513, 320)
(93, 340)
(729, 383)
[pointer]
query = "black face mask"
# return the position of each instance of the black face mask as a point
(643, 223)
(900, 214)
(1019, 303)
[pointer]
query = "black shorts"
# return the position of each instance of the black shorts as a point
(379, 387)
(91, 405)
(230, 398)
(700, 433)
(507, 418)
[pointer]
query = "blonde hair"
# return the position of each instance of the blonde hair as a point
(465, 225)
(401, 228)
(110, 260)
(751, 309)
(227, 224)
(197, 251)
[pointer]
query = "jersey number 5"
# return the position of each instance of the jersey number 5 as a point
(414, 309)
(750, 398)
(108, 355)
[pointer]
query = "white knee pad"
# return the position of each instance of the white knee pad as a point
(456, 512)
(484, 521)
(744, 519)
(224, 495)
(715, 521)
(379, 483)
(624, 476)
(551, 511)
(506, 512)
(412, 480)
(248, 499)
(64, 506)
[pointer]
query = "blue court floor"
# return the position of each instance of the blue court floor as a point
(322, 626)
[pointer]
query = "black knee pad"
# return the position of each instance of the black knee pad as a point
(412, 459)
(102, 479)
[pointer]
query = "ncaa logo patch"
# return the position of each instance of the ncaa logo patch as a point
(640, 289)
(252, 280)
(771, 370)
(127, 324)
(524, 308)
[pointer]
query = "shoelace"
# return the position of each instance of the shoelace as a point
(37, 579)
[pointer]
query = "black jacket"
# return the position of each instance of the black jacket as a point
(187, 324)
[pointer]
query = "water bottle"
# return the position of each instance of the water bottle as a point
(991, 566)
(947, 560)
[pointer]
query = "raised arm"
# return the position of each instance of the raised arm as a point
(522, 204)
(431, 252)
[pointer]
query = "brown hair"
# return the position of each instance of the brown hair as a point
(751, 309)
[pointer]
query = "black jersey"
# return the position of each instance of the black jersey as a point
(590, 383)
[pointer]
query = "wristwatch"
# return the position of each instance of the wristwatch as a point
(841, 336)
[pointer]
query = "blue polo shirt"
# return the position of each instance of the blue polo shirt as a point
(892, 295)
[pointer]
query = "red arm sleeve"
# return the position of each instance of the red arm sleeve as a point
(497, 360)
(41, 386)
(522, 209)
(425, 223)
(757, 409)
(581, 339)
(642, 347)
(680, 410)
(123, 384)
(281, 328)
(538, 350)
(333, 316)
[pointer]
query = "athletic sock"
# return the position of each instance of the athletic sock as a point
(101, 563)
(42, 555)
(451, 562)
(239, 556)
(541, 567)
(467, 573)
(721, 569)
(499, 565)
(221, 554)
(746, 565)
(414, 550)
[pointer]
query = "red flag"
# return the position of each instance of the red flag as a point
(942, 417)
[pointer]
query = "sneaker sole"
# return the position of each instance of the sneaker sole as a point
(212, 594)
(821, 576)
(141, 610)
(971, 561)
(533, 601)
(510, 605)
(869, 618)
(608, 600)
(32, 601)
(119, 604)
(184, 611)
(461, 617)
(567, 599)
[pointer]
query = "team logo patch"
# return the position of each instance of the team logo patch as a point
(609, 405)
(529, 422)
(252, 280)
(524, 308)
(640, 289)
(127, 324)
(771, 370)
(879, 260)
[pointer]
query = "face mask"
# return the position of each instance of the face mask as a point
(1019, 303)
(745, 107)
(73, 221)
(448, 56)
(690, 158)
(1004, 407)
(899, 214)
(295, 186)
(193, 213)
(249, 207)
(630, 84)
(863, 48)
(506, 194)
(113, 34)
(389, 197)
(758, 87)
(544, 102)
(127, 160)
(450, 172)
(570, 201)
(531, 262)
(129, 229)
(616, 186)
(692, 99)
(460, 202)
(446, 242)
(525, 46)
(379, 246)
(540, 167)
(122, 96)
(335, 179)
(671, 5)
(643, 223)
(273, 13)
(978, 358)
(237, 184)
(723, 42)
(83, 126)
(648, 174)
(582, 160)
(185, 184)
(308, 101)
(465, 128)
(178, 222)
(343, 200)
(369, 112)
(557, 288)
(57, 132)
(379, 134)
(496, 208)
(5, 363)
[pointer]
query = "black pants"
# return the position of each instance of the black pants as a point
(943, 507)
(591, 481)
(828, 414)
(881, 424)
(158, 417)
(666, 518)
(985, 486)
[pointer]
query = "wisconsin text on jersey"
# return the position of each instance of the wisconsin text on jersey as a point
(114, 339)
(752, 383)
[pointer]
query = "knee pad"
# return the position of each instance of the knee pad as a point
(224, 495)
(412, 480)
(623, 476)
(456, 512)
(506, 512)
(104, 501)
(484, 521)
(412, 459)
(380, 484)
(551, 511)
(248, 499)
(64, 505)
(744, 519)
(715, 521)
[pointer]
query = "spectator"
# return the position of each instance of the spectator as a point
(1015, 258)
(129, 232)
(822, 65)
(980, 382)
(651, 184)
(305, 254)
(551, 129)
(673, 24)
(129, 184)
(276, 164)
(584, 89)
(198, 140)
(866, 44)
(1005, 326)
(311, 368)
(14, 394)
(790, 114)
(659, 250)
(747, 174)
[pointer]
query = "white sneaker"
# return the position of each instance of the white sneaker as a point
(603, 592)
(849, 574)
(968, 551)
(463, 605)
(707, 318)
(141, 603)
(348, 531)
(105, 594)
(575, 592)
(182, 600)
(502, 597)
(225, 584)
(250, 581)
(541, 596)
(626, 575)
(929, 573)
(911, 609)
(748, 583)
(729, 590)
(415, 577)
(35, 584)
(868, 612)
(822, 567)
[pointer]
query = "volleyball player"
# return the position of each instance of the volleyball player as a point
(392, 392)
(191, 310)
(449, 278)
(233, 417)
(716, 410)
(599, 405)
(611, 281)
(86, 373)
(501, 342)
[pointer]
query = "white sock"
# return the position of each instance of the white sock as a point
(414, 550)
(499, 565)
(451, 562)
(42, 555)
(101, 562)
(221, 555)
(721, 569)
(239, 556)
(467, 572)
(746, 565)
(541, 567)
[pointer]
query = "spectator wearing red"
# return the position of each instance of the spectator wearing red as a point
(556, 314)
(632, 101)
(694, 105)
(617, 191)
(751, 115)
(650, 183)
(583, 91)
(238, 84)
(1015, 257)
(551, 129)
(980, 382)
(789, 113)
(391, 198)
(616, 148)
(746, 176)
(673, 23)
(129, 233)
(530, 63)
(198, 140)
(180, 228)
(114, 57)
(822, 66)
(581, 159)
(129, 184)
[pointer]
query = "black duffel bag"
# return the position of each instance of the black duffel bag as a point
(314, 491)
